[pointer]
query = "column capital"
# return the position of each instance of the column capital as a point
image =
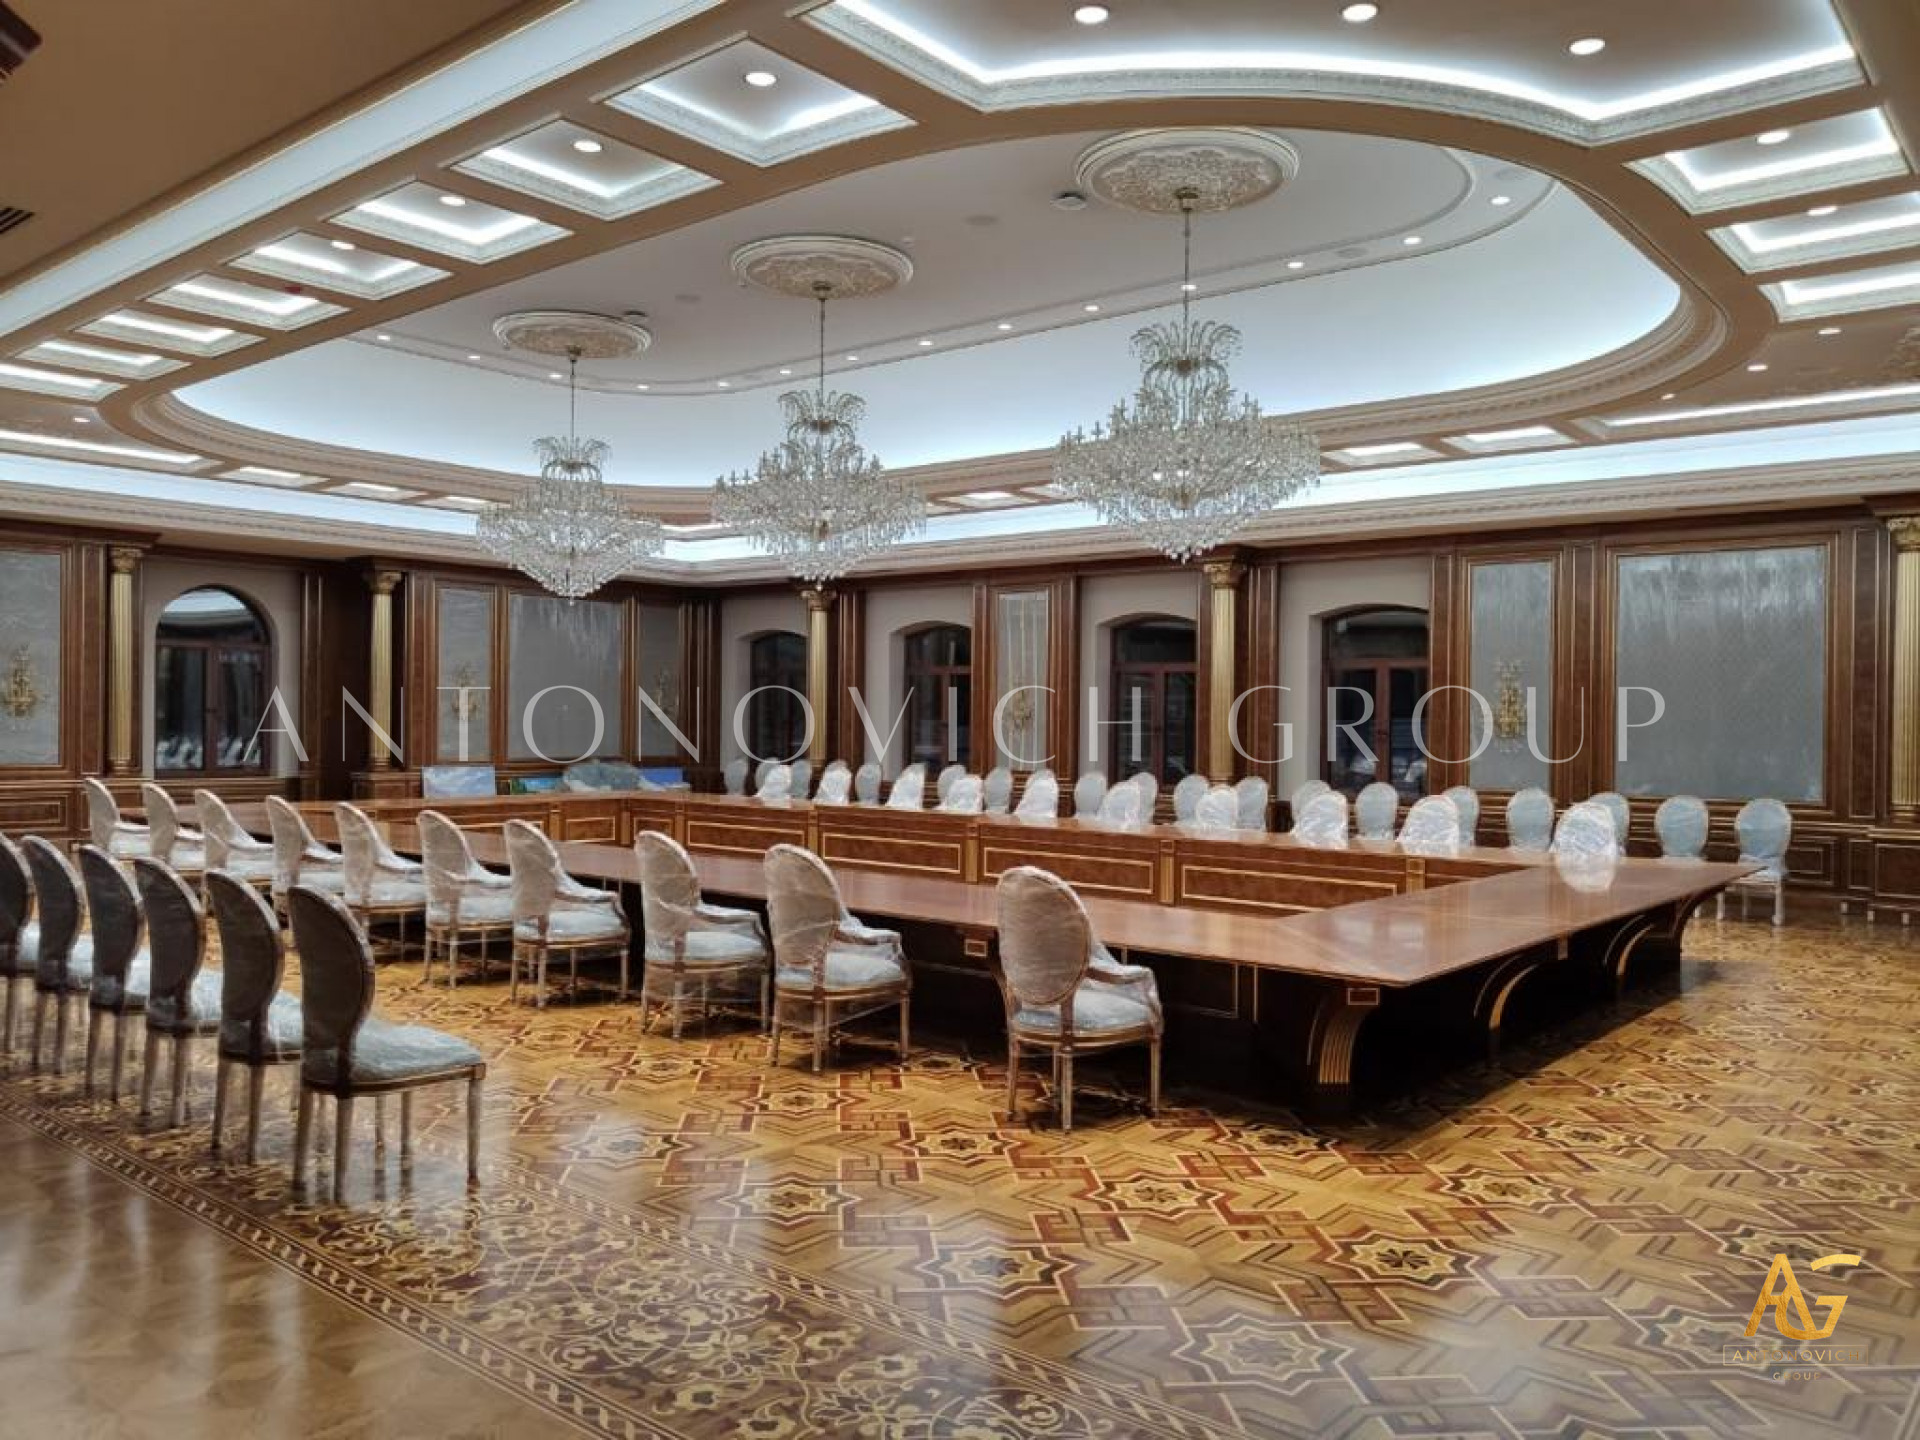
(818, 597)
(1224, 573)
(385, 582)
(1905, 530)
(125, 559)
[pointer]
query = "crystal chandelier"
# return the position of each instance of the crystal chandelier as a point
(567, 530)
(818, 500)
(1191, 461)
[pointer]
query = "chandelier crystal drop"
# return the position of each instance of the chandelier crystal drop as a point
(567, 530)
(818, 500)
(1192, 460)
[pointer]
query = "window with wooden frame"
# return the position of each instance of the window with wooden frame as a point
(1154, 685)
(937, 681)
(212, 676)
(776, 721)
(1374, 671)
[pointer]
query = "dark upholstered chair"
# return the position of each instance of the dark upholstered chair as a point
(349, 1052)
(259, 1022)
(63, 957)
(120, 959)
(19, 935)
(828, 967)
(183, 999)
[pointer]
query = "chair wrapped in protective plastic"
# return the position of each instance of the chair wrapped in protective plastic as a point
(997, 791)
(228, 845)
(183, 998)
(943, 782)
(1681, 824)
(1764, 829)
(836, 784)
(120, 961)
(828, 968)
(1530, 820)
(910, 790)
(1148, 785)
(1374, 812)
(1251, 794)
(1586, 832)
(1466, 800)
(1064, 993)
(776, 785)
(553, 911)
(1089, 792)
(169, 841)
(1298, 801)
(465, 900)
(380, 885)
(760, 773)
(62, 956)
(1616, 806)
(866, 784)
(1432, 827)
(1217, 812)
(347, 1051)
(965, 796)
(121, 839)
(801, 779)
(1120, 807)
(298, 858)
(259, 1022)
(733, 775)
(19, 935)
(1186, 797)
(1324, 821)
(1041, 799)
(693, 950)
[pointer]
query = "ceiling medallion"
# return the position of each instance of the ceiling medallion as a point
(1224, 168)
(576, 334)
(796, 264)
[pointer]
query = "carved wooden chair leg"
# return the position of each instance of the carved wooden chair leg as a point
(302, 1133)
(220, 1072)
(342, 1144)
(256, 1082)
(473, 1130)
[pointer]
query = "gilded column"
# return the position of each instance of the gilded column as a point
(125, 560)
(1223, 591)
(380, 669)
(1906, 666)
(819, 648)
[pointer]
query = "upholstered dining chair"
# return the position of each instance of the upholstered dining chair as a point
(943, 782)
(117, 924)
(1064, 993)
(1121, 806)
(1587, 831)
(347, 1051)
(1432, 827)
(1218, 811)
(965, 796)
(183, 997)
(1148, 784)
(692, 948)
(909, 790)
(1530, 820)
(168, 841)
(733, 775)
(228, 845)
(19, 934)
(1374, 812)
(836, 784)
(553, 911)
(828, 968)
(866, 784)
(63, 957)
(776, 785)
(1466, 801)
(1681, 824)
(298, 858)
(996, 792)
(1251, 794)
(1764, 829)
(1616, 806)
(801, 779)
(1297, 802)
(260, 1024)
(1041, 799)
(465, 900)
(760, 773)
(380, 885)
(1323, 823)
(120, 838)
(1186, 797)
(1089, 792)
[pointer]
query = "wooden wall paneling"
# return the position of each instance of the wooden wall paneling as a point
(1444, 720)
(845, 737)
(1869, 661)
(1580, 704)
(980, 720)
(700, 697)
(1260, 714)
(1063, 662)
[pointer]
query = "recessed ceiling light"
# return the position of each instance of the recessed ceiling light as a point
(83, 419)
(724, 384)
(761, 79)
(1756, 367)
(1359, 14)
(588, 147)
(1820, 212)
(1773, 137)
(926, 344)
(473, 357)
(785, 370)
(553, 374)
(1501, 200)
(341, 244)
(1091, 308)
(1669, 395)
(1189, 287)
(1591, 45)
(1828, 330)
(384, 339)
(1412, 240)
(853, 357)
(1091, 14)
(454, 201)
(1004, 325)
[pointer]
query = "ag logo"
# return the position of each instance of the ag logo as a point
(1782, 1289)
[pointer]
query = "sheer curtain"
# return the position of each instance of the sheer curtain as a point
(1020, 661)
(464, 661)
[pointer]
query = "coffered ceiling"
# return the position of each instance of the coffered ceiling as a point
(1511, 259)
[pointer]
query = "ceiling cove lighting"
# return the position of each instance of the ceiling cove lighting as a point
(1871, 395)
(1773, 137)
(53, 382)
(27, 439)
(1820, 212)
(1513, 437)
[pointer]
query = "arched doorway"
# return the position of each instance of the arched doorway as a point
(212, 676)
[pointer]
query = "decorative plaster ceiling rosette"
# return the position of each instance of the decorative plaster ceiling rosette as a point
(572, 332)
(1146, 169)
(799, 264)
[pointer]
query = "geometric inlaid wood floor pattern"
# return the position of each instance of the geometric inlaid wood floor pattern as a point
(673, 1240)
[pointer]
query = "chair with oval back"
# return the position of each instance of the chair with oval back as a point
(1217, 813)
(776, 785)
(1041, 799)
(63, 957)
(228, 845)
(347, 1051)
(121, 839)
(1252, 797)
(1324, 822)
(1764, 829)
(1530, 820)
(1374, 812)
(1466, 801)
(1298, 801)
(1586, 832)
(1186, 797)
(801, 778)
(183, 998)
(691, 947)
(380, 885)
(553, 911)
(259, 1022)
(298, 858)
(1121, 807)
(828, 968)
(19, 935)
(760, 773)
(1148, 784)
(1681, 824)
(1432, 827)
(1064, 993)
(1089, 792)
(909, 792)
(465, 900)
(1616, 806)
(169, 841)
(997, 790)
(943, 782)
(120, 961)
(866, 784)
(965, 796)
(836, 784)
(733, 775)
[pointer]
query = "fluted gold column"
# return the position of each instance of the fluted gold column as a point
(380, 668)
(1223, 592)
(125, 560)
(1906, 666)
(819, 640)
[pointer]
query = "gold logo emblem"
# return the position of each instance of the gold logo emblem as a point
(1790, 1313)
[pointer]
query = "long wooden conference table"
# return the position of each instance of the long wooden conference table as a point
(1265, 948)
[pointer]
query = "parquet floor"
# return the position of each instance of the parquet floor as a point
(673, 1240)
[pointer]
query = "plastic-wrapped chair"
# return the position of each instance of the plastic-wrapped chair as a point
(1251, 795)
(1591, 873)
(776, 785)
(1681, 824)
(62, 956)
(1530, 820)
(259, 1022)
(1186, 797)
(1298, 801)
(1217, 812)
(1064, 993)
(997, 792)
(380, 885)
(168, 841)
(827, 966)
(120, 960)
(836, 783)
(943, 782)
(1586, 832)
(1323, 823)
(228, 845)
(1121, 807)
(866, 784)
(464, 898)
(1149, 787)
(965, 796)
(19, 935)
(183, 999)
(121, 839)
(1432, 827)
(910, 790)
(760, 773)
(1089, 793)
(691, 946)
(1616, 806)
(1376, 810)
(347, 1051)
(1466, 800)
(553, 911)
(298, 858)
(801, 778)
(1041, 799)
(733, 775)
(1764, 829)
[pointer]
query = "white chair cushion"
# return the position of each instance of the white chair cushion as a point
(713, 947)
(477, 907)
(1097, 1009)
(849, 967)
(384, 1052)
(576, 925)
